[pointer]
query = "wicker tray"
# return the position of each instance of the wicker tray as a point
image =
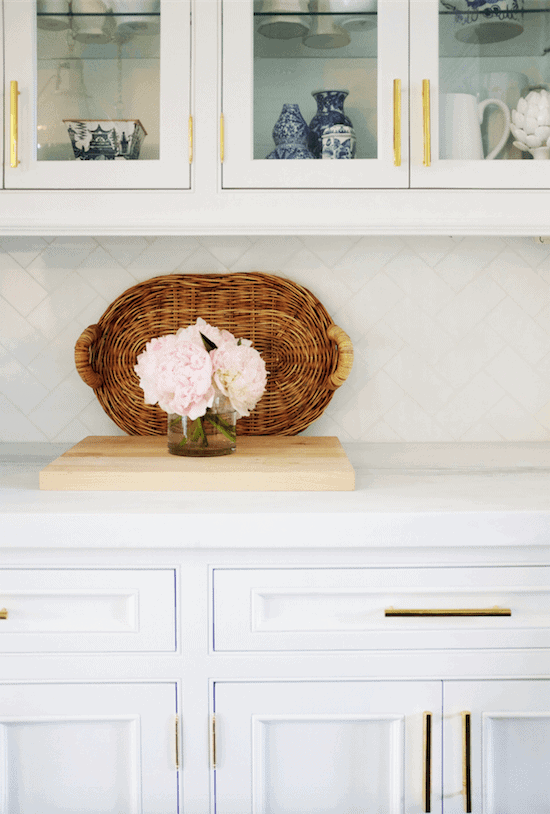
(307, 356)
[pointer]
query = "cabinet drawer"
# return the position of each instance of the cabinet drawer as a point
(71, 609)
(362, 608)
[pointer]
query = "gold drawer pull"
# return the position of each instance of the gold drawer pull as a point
(466, 761)
(427, 768)
(448, 612)
(3, 613)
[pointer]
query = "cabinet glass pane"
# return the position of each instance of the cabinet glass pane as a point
(500, 51)
(300, 49)
(98, 80)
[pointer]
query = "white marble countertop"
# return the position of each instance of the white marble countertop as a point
(406, 494)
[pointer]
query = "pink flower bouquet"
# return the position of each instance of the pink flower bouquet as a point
(190, 373)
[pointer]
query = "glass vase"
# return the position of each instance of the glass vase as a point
(214, 433)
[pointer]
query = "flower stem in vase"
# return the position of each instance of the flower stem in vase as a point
(212, 434)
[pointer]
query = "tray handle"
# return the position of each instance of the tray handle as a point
(82, 356)
(345, 356)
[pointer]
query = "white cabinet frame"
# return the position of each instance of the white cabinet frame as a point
(170, 171)
(241, 171)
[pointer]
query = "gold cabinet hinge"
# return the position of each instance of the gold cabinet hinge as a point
(213, 741)
(177, 741)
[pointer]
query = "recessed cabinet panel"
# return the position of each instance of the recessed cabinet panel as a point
(293, 70)
(97, 748)
(87, 610)
(323, 747)
(380, 608)
(97, 94)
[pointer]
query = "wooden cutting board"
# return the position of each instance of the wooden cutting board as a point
(260, 463)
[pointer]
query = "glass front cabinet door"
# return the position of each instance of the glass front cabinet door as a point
(314, 94)
(97, 94)
(480, 101)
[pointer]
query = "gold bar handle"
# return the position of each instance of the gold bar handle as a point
(14, 119)
(222, 138)
(190, 138)
(467, 761)
(427, 769)
(3, 613)
(448, 612)
(426, 122)
(397, 122)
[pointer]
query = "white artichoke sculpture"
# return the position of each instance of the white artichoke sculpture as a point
(531, 124)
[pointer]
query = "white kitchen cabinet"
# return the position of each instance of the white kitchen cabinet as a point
(261, 74)
(208, 97)
(448, 79)
(468, 55)
(326, 747)
(503, 767)
(97, 748)
(329, 747)
(293, 690)
(97, 69)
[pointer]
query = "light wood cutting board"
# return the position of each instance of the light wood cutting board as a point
(260, 463)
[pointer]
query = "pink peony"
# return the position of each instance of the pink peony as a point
(193, 333)
(176, 372)
(240, 374)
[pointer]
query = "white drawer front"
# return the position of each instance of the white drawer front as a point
(360, 608)
(70, 609)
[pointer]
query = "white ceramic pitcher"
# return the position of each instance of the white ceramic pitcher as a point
(460, 117)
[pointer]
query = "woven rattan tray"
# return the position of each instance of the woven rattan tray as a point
(307, 356)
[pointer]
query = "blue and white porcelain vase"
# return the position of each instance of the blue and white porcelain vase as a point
(290, 134)
(330, 111)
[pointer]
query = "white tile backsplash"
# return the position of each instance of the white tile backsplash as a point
(451, 334)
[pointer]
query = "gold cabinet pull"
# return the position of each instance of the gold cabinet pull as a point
(426, 122)
(190, 138)
(3, 613)
(213, 755)
(448, 612)
(427, 765)
(467, 761)
(222, 138)
(177, 741)
(14, 120)
(397, 122)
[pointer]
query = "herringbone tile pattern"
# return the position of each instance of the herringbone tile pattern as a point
(452, 335)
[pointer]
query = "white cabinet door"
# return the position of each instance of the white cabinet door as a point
(327, 747)
(83, 78)
(505, 769)
(470, 53)
(97, 748)
(272, 59)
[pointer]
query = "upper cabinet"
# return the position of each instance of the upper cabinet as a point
(97, 94)
(480, 63)
(291, 70)
(289, 63)
(310, 116)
